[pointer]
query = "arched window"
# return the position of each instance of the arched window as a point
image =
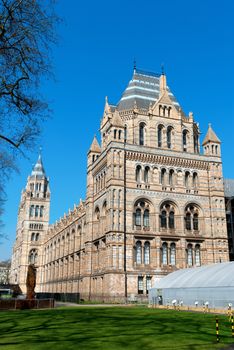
(97, 214)
(188, 221)
(186, 178)
(171, 177)
(169, 132)
(115, 134)
(146, 253)
(142, 134)
(41, 211)
(195, 221)
(163, 176)
(173, 254)
(195, 180)
(37, 237)
(192, 217)
(120, 134)
(190, 255)
(196, 146)
(138, 217)
(146, 218)
(32, 257)
(167, 216)
(31, 210)
(37, 211)
(197, 255)
(164, 254)
(146, 174)
(33, 236)
(164, 219)
(185, 140)
(171, 220)
(138, 173)
(138, 252)
(160, 128)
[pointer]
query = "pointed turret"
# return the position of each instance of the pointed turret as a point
(38, 169)
(95, 146)
(162, 83)
(116, 120)
(211, 143)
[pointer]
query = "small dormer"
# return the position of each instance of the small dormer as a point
(211, 144)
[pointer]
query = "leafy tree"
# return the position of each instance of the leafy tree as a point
(27, 30)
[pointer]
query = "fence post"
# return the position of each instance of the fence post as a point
(217, 330)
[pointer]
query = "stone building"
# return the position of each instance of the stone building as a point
(154, 203)
(229, 203)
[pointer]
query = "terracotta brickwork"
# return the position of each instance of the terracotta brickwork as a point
(154, 203)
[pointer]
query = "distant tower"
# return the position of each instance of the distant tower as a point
(32, 225)
(211, 144)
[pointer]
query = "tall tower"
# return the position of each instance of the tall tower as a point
(32, 225)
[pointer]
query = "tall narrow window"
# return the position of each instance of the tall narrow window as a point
(146, 218)
(41, 211)
(195, 221)
(195, 180)
(186, 179)
(37, 211)
(164, 253)
(190, 255)
(138, 173)
(163, 176)
(31, 210)
(173, 254)
(164, 219)
(171, 177)
(142, 134)
(115, 134)
(146, 174)
(188, 221)
(138, 217)
(196, 146)
(138, 252)
(171, 220)
(147, 253)
(160, 127)
(197, 255)
(169, 131)
(140, 285)
(185, 140)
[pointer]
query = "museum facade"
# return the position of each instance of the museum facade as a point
(154, 203)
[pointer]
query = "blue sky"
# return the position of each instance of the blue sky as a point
(94, 58)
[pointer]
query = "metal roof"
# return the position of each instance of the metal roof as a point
(214, 275)
(142, 90)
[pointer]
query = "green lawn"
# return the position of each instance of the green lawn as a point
(105, 328)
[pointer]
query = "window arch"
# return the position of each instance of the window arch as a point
(185, 140)
(146, 174)
(37, 236)
(171, 177)
(169, 133)
(163, 176)
(138, 173)
(197, 255)
(191, 218)
(33, 236)
(167, 216)
(31, 210)
(146, 253)
(142, 132)
(195, 180)
(97, 214)
(125, 133)
(142, 214)
(41, 211)
(160, 129)
(115, 133)
(187, 179)
(32, 257)
(37, 211)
